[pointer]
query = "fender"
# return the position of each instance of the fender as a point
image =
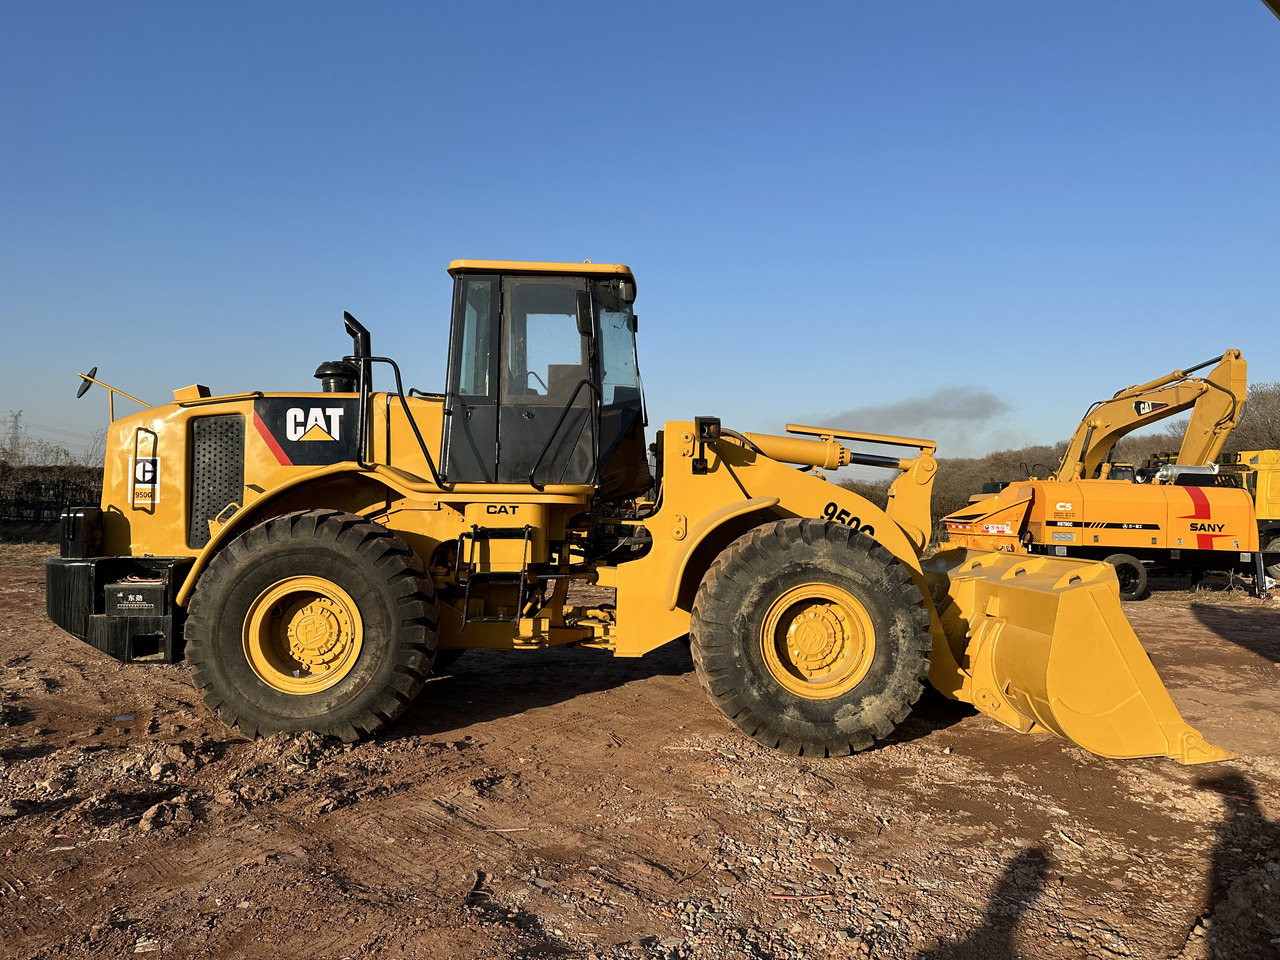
(254, 513)
(381, 478)
(805, 495)
(705, 527)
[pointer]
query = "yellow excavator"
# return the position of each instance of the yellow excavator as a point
(1176, 515)
(1215, 400)
(314, 555)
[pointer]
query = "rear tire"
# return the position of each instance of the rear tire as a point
(318, 620)
(1131, 574)
(811, 638)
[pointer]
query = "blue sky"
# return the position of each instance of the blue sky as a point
(958, 219)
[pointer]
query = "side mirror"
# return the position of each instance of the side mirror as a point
(88, 382)
(627, 290)
(583, 302)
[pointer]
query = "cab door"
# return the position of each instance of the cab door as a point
(546, 422)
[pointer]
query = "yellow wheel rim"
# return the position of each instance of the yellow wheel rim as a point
(817, 641)
(303, 635)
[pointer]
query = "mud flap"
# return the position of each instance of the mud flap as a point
(1044, 645)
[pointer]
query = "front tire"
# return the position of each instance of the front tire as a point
(318, 620)
(811, 638)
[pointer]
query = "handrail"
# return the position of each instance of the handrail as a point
(365, 365)
(595, 433)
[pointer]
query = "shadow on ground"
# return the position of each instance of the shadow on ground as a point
(1254, 628)
(932, 712)
(489, 684)
(486, 685)
(1242, 919)
(1019, 887)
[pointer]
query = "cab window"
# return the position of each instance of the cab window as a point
(546, 356)
(474, 348)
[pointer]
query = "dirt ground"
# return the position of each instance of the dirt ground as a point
(565, 804)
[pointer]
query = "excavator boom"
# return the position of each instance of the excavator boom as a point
(1218, 411)
(1216, 402)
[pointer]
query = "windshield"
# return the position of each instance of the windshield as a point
(619, 376)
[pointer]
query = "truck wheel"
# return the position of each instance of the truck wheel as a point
(1131, 574)
(1273, 546)
(318, 620)
(810, 638)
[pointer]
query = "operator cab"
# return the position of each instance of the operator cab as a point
(543, 385)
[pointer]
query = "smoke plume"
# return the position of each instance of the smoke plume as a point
(962, 418)
(965, 404)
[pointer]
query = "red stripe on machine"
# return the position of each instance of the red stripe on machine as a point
(272, 442)
(1201, 501)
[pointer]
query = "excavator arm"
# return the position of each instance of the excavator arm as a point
(1217, 412)
(1216, 402)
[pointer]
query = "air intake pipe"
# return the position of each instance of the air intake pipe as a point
(337, 376)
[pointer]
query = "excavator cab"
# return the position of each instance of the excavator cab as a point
(543, 383)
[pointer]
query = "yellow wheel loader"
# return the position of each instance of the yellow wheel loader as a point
(314, 554)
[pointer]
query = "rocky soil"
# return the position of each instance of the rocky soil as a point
(565, 804)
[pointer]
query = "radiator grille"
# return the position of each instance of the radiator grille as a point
(217, 471)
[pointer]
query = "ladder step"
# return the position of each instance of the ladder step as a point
(498, 533)
(495, 576)
(517, 578)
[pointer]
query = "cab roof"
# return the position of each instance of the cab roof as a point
(538, 266)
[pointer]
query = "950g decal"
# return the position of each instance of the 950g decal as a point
(833, 511)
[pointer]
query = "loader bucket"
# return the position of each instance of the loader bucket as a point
(1045, 646)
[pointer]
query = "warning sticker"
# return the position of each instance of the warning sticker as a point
(144, 481)
(996, 528)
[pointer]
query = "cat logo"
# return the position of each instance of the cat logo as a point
(144, 482)
(311, 424)
(308, 431)
(1146, 407)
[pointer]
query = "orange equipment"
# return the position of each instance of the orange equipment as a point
(1186, 515)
